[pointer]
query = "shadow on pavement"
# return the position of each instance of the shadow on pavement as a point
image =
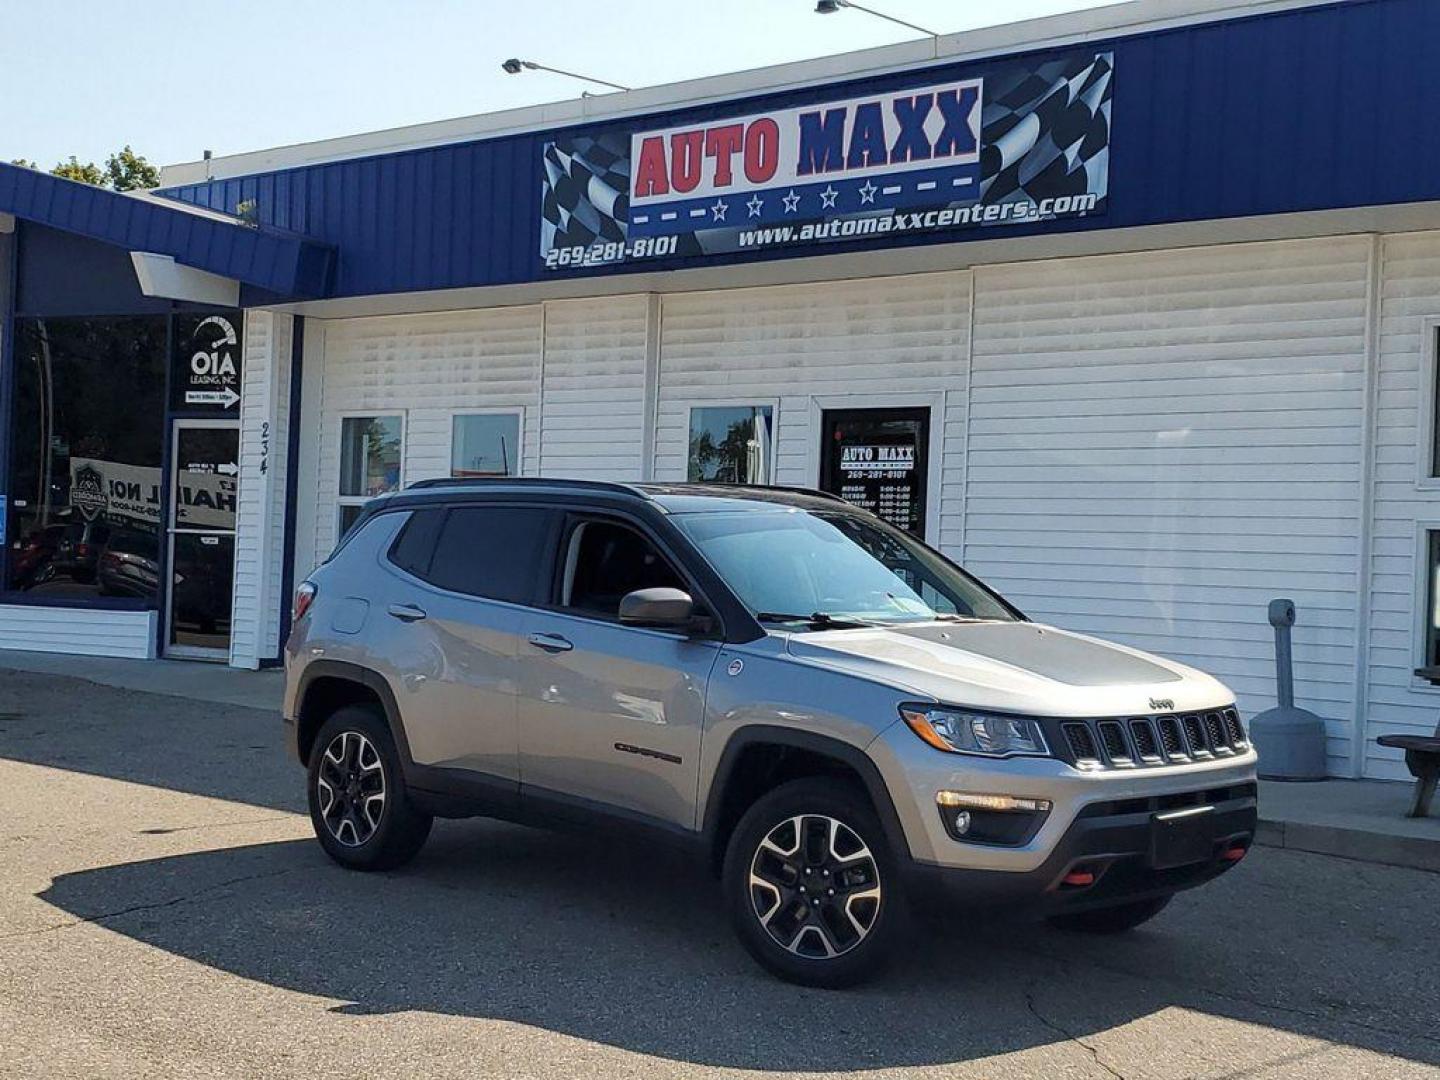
(631, 948)
(617, 945)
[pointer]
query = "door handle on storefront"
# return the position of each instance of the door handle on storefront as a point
(406, 612)
(550, 642)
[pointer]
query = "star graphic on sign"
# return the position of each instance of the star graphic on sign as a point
(719, 209)
(867, 192)
(791, 201)
(755, 204)
(828, 197)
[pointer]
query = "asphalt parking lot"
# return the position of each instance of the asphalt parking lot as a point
(164, 912)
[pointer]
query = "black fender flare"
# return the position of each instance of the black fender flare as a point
(847, 753)
(370, 679)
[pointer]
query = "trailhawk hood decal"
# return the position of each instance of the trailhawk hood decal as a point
(1015, 666)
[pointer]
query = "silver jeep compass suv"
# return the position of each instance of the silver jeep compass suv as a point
(835, 716)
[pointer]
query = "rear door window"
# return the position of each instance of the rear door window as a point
(494, 552)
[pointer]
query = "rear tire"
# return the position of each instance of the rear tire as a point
(1111, 920)
(812, 886)
(359, 805)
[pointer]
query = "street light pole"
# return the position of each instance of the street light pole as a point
(830, 7)
(514, 67)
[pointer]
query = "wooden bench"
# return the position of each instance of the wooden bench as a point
(1422, 756)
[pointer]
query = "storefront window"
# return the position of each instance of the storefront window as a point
(370, 454)
(485, 444)
(86, 436)
(731, 444)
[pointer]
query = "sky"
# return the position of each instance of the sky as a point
(174, 78)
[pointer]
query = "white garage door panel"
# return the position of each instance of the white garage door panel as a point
(1161, 443)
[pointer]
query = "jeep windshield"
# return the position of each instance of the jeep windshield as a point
(834, 570)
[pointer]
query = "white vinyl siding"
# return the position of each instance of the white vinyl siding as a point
(858, 340)
(129, 634)
(593, 399)
(425, 368)
(1405, 501)
(260, 498)
(1162, 443)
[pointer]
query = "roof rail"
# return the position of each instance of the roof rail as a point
(791, 489)
(525, 482)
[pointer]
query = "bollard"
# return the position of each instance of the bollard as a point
(1289, 740)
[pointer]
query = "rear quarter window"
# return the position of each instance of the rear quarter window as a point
(415, 546)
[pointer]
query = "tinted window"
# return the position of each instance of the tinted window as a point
(416, 543)
(488, 551)
(605, 561)
(86, 427)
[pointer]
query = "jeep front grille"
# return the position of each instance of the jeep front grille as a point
(1141, 741)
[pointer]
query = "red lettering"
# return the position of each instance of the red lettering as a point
(685, 160)
(721, 144)
(762, 150)
(650, 170)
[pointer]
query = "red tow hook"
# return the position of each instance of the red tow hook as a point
(1078, 879)
(1235, 854)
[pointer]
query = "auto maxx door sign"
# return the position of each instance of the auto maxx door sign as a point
(207, 364)
(1017, 146)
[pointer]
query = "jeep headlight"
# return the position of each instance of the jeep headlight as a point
(961, 731)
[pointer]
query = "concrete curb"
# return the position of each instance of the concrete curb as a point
(1416, 853)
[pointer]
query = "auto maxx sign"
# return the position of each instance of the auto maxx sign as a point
(1023, 145)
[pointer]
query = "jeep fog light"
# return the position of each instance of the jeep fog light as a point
(998, 820)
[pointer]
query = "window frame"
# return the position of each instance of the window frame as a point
(572, 519)
(773, 404)
(1424, 595)
(344, 501)
(500, 410)
(1427, 440)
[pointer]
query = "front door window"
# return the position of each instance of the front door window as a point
(202, 538)
(878, 459)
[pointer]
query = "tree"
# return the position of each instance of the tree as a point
(124, 170)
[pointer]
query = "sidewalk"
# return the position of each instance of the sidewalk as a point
(1351, 819)
(173, 678)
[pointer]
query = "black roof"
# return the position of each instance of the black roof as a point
(669, 497)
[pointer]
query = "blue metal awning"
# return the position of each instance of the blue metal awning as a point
(283, 264)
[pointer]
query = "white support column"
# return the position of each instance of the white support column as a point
(260, 506)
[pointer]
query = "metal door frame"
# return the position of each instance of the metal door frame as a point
(192, 652)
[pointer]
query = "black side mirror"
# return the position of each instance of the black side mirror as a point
(668, 608)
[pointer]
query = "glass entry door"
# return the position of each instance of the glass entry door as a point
(205, 468)
(879, 459)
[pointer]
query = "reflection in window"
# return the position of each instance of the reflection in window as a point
(87, 428)
(485, 445)
(370, 453)
(1432, 600)
(731, 444)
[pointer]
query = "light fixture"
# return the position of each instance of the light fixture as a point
(515, 66)
(830, 7)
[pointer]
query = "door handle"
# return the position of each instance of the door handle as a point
(406, 612)
(553, 643)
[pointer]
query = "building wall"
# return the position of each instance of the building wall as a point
(1162, 443)
(1406, 500)
(1146, 447)
(840, 345)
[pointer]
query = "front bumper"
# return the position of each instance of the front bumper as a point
(1110, 842)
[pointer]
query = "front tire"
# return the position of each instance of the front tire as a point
(359, 806)
(1111, 920)
(812, 886)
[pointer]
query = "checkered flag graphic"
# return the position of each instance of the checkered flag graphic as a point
(584, 196)
(1046, 131)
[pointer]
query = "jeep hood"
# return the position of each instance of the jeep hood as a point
(1014, 667)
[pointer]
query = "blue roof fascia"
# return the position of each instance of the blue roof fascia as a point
(280, 263)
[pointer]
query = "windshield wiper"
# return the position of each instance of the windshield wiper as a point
(821, 620)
